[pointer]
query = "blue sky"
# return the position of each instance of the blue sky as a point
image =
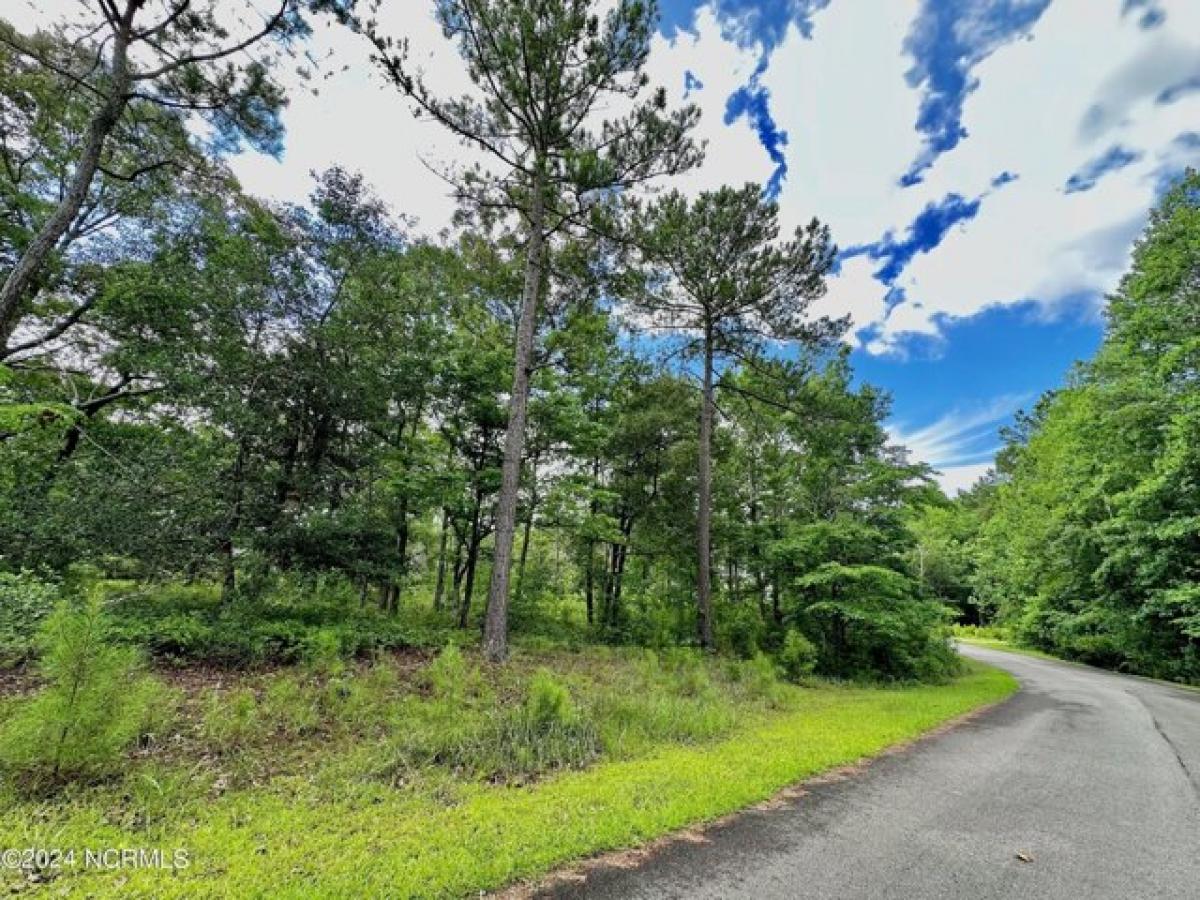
(985, 166)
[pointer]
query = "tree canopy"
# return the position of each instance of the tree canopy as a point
(1087, 539)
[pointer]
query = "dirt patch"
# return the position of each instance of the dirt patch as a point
(18, 681)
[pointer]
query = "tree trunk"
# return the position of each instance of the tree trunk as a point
(229, 574)
(457, 573)
(533, 499)
(606, 587)
(440, 588)
(619, 568)
(12, 293)
(495, 633)
(704, 613)
(401, 557)
(589, 584)
(522, 558)
(589, 577)
(464, 611)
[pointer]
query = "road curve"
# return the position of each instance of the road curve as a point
(1092, 777)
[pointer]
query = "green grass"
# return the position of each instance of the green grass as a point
(305, 812)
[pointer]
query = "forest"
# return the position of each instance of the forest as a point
(1085, 542)
(263, 428)
(299, 498)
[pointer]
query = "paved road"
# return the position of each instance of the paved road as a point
(1093, 776)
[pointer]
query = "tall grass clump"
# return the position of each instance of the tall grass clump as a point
(546, 731)
(672, 699)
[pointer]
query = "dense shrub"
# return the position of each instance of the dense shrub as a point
(740, 629)
(95, 704)
(25, 603)
(189, 622)
(797, 656)
(868, 622)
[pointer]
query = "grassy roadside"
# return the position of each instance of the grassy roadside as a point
(327, 831)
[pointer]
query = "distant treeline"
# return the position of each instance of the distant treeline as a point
(1086, 541)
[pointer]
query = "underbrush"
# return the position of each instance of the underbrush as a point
(234, 762)
(295, 621)
(546, 711)
(451, 778)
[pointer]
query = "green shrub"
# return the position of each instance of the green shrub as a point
(323, 650)
(739, 630)
(25, 603)
(872, 624)
(759, 679)
(312, 622)
(449, 676)
(95, 704)
(797, 656)
(549, 702)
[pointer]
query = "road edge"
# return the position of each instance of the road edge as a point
(634, 856)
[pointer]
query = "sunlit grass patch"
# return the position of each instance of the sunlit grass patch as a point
(534, 769)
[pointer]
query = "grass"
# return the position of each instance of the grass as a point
(395, 780)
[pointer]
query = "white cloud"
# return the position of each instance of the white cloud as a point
(734, 154)
(849, 115)
(1031, 240)
(360, 122)
(1087, 78)
(956, 479)
(962, 443)
(855, 292)
(961, 437)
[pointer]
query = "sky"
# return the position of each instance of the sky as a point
(985, 167)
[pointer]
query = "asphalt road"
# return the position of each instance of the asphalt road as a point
(1093, 777)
